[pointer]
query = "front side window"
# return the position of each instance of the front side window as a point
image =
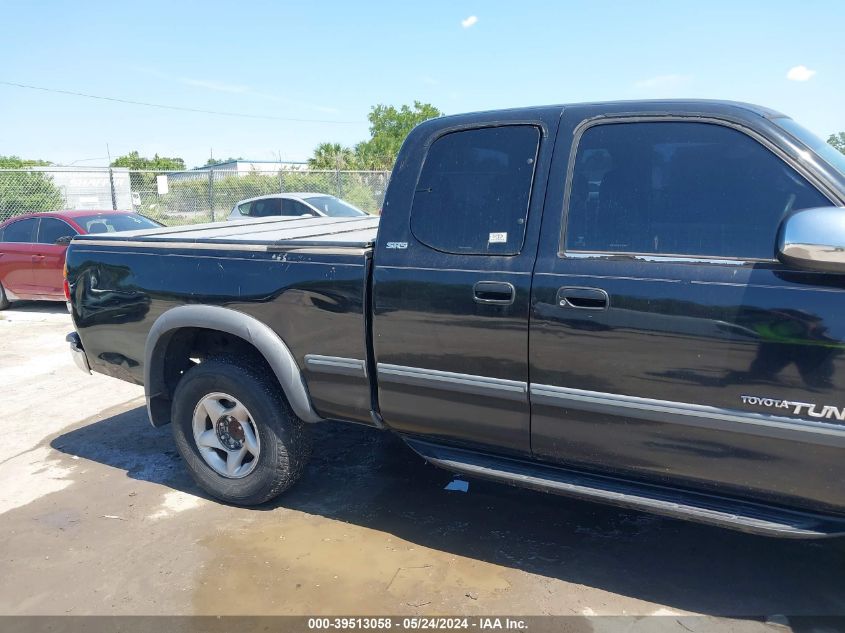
(473, 192)
(51, 229)
(294, 208)
(20, 231)
(680, 188)
(820, 147)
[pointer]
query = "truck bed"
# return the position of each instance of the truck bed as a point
(304, 278)
(278, 231)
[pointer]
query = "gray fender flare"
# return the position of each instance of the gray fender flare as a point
(264, 339)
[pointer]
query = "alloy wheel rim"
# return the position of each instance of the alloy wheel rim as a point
(226, 435)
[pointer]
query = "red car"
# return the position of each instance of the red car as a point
(32, 249)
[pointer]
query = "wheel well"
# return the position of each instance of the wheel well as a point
(190, 346)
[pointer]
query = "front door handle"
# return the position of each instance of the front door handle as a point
(37, 258)
(497, 293)
(583, 298)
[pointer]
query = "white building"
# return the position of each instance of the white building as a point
(90, 188)
(240, 168)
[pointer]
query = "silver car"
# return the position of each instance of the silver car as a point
(294, 204)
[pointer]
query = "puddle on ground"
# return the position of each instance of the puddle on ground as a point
(289, 562)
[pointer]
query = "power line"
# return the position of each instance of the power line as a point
(172, 107)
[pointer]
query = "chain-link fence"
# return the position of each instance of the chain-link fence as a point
(174, 198)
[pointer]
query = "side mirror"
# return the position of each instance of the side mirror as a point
(814, 239)
(64, 240)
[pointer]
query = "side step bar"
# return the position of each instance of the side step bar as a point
(725, 512)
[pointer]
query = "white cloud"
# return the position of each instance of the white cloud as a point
(470, 21)
(800, 73)
(663, 81)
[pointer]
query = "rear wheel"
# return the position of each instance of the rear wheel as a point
(4, 301)
(236, 432)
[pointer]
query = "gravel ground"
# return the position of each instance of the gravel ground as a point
(99, 517)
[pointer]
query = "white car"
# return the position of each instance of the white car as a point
(294, 204)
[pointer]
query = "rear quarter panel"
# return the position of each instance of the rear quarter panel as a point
(313, 301)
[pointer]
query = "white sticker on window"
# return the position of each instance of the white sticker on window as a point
(498, 238)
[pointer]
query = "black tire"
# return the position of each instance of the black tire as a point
(4, 301)
(285, 439)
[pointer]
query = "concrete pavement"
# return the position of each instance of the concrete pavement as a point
(98, 516)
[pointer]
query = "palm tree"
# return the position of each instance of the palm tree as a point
(331, 156)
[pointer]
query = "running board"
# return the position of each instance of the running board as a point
(725, 512)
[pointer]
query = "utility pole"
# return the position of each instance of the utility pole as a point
(111, 181)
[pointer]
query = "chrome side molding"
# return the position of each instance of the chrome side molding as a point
(669, 412)
(336, 365)
(452, 381)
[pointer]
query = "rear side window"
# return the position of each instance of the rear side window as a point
(20, 231)
(51, 229)
(265, 208)
(680, 188)
(473, 192)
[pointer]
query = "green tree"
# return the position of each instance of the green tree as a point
(15, 162)
(145, 182)
(388, 128)
(332, 156)
(133, 160)
(219, 161)
(26, 191)
(838, 141)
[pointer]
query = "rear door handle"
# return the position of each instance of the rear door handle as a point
(497, 293)
(583, 298)
(37, 258)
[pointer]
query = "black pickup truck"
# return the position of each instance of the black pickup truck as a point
(640, 303)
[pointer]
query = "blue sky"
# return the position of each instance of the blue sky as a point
(326, 63)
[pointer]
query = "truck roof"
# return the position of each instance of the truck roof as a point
(354, 232)
(703, 106)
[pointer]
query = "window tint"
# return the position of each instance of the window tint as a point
(680, 188)
(294, 207)
(20, 231)
(51, 229)
(473, 192)
(244, 208)
(265, 208)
